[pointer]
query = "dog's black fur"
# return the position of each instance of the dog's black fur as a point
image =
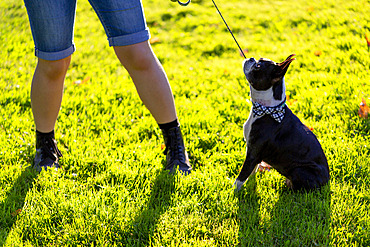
(289, 147)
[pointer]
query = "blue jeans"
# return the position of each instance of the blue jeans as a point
(52, 24)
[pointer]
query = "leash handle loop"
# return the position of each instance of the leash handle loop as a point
(184, 3)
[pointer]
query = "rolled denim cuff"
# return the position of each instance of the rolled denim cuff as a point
(52, 56)
(130, 39)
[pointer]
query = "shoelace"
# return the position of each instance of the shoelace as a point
(175, 146)
(50, 149)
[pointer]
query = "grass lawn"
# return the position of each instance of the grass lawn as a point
(112, 190)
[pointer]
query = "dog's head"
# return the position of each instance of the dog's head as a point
(265, 74)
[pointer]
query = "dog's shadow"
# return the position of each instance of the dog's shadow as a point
(296, 218)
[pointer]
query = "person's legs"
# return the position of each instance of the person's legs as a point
(154, 90)
(150, 80)
(125, 26)
(47, 91)
(46, 98)
(52, 30)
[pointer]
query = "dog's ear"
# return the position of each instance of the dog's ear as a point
(281, 69)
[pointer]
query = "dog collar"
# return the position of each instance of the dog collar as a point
(276, 112)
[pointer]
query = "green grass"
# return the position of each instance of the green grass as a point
(112, 190)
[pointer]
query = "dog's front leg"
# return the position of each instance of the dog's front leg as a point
(249, 168)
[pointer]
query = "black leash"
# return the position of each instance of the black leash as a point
(241, 50)
(186, 3)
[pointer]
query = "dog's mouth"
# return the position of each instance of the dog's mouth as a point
(248, 64)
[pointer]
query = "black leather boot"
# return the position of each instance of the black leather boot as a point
(176, 155)
(47, 152)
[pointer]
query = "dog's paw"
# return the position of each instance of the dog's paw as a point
(238, 184)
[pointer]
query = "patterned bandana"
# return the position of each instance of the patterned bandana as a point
(276, 112)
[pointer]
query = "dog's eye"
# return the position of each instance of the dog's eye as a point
(258, 65)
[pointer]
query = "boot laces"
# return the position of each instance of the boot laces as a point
(49, 148)
(176, 147)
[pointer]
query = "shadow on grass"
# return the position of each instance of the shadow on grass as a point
(248, 214)
(301, 219)
(296, 219)
(14, 201)
(145, 224)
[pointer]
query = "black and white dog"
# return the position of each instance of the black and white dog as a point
(276, 136)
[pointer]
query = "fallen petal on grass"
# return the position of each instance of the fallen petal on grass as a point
(364, 109)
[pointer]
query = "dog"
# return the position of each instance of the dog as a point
(274, 135)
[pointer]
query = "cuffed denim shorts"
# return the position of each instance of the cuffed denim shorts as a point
(52, 24)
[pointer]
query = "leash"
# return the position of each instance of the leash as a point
(228, 28)
(241, 50)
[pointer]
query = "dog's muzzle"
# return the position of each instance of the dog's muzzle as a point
(248, 63)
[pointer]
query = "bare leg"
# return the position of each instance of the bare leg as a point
(47, 92)
(154, 90)
(150, 80)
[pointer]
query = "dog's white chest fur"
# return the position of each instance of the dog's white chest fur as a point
(248, 125)
(265, 98)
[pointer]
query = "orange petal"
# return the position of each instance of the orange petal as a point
(86, 80)
(78, 82)
(318, 53)
(290, 101)
(364, 110)
(154, 40)
(16, 212)
(244, 50)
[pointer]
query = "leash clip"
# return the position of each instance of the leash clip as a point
(184, 3)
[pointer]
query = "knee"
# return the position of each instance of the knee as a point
(54, 70)
(139, 57)
(141, 62)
